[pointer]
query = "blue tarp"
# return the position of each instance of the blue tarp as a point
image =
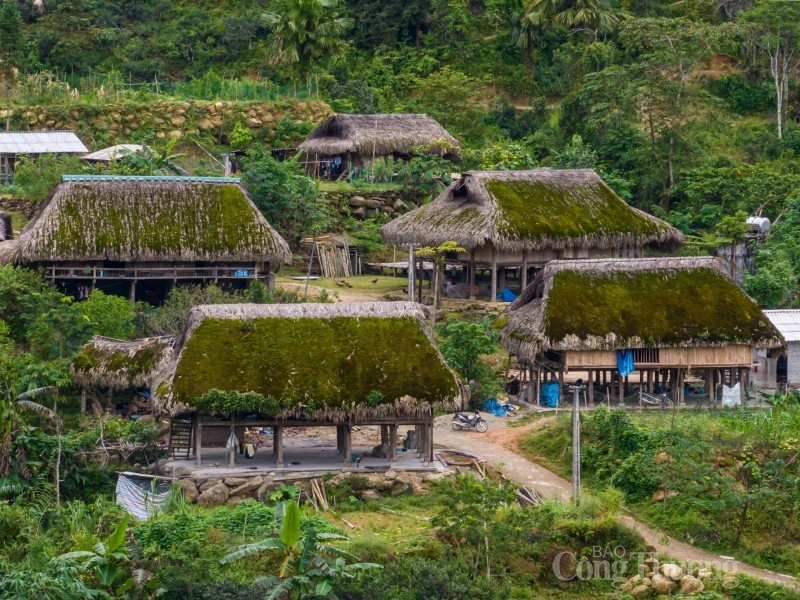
(550, 394)
(492, 406)
(507, 295)
(625, 364)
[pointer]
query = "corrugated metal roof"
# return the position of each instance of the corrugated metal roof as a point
(113, 152)
(40, 142)
(787, 322)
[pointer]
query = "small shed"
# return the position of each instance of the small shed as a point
(109, 366)
(33, 143)
(787, 368)
(342, 145)
(671, 314)
(517, 221)
(116, 152)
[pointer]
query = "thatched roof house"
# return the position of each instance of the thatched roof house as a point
(359, 138)
(527, 218)
(116, 365)
(146, 228)
(323, 362)
(673, 313)
(289, 365)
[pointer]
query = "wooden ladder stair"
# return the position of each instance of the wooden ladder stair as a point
(180, 437)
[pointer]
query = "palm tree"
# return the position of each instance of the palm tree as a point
(303, 31)
(598, 16)
(308, 569)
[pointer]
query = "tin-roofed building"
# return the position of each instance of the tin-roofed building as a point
(774, 368)
(33, 143)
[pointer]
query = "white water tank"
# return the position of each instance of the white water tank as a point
(759, 224)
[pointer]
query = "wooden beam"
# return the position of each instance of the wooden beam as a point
(493, 287)
(198, 440)
(348, 446)
(278, 441)
(393, 444)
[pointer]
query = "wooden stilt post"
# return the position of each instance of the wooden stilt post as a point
(348, 446)
(429, 442)
(711, 388)
(232, 451)
(83, 399)
(384, 434)
(649, 381)
(493, 287)
(621, 388)
(198, 441)
(590, 389)
(278, 435)
(561, 386)
(393, 444)
(742, 384)
(472, 276)
(524, 274)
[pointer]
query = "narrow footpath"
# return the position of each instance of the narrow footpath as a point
(496, 448)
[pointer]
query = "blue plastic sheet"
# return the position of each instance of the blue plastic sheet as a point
(625, 364)
(492, 406)
(550, 394)
(507, 295)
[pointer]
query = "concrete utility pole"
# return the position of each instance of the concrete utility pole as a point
(576, 448)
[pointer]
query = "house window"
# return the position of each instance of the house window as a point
(645, 355)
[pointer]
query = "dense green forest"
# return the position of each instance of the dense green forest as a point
(688, 109)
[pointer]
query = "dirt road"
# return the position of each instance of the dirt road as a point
(499, 448)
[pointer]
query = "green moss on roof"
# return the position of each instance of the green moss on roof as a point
(533, 209)
(131, 220)
(319, 363)
(661, 307)
(107, 364)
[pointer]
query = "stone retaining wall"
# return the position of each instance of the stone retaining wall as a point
(125, 121)
(364, 204)
(212, 490)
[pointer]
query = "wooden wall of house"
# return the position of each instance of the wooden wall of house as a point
(702, 357)
(483, 255)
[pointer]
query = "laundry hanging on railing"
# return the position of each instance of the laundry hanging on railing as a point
(625, 364)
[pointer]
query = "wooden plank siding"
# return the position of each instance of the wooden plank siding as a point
(702, 357)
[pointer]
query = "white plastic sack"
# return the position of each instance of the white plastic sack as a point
(731, 396)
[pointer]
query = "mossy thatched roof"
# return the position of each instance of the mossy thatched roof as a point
(530, 210)
(633, 303)
(150, 219)
(380, 135)
(321, 361)
(116, 365)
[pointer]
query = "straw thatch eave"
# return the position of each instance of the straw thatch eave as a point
(319, 360)
(8, 252)
(531, 210)
(599, 304)
(116, 365)
(132, 220)
(6, 231)
(380, 135)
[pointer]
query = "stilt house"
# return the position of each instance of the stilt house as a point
(673, 314)
(301, 365)
(342, 146)
(517, 221)
(141, 236)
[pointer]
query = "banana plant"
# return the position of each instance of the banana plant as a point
(309, 568)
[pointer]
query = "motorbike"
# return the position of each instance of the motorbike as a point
(474, 421)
